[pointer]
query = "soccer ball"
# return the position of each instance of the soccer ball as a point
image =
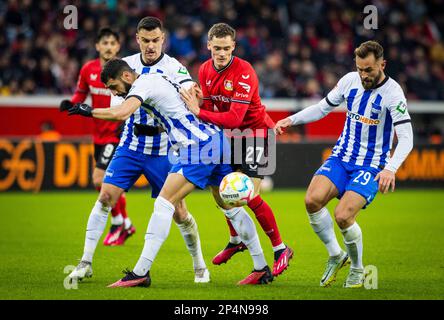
(236, 189)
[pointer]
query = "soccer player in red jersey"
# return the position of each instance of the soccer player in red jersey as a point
(106, 133)
(230, 93)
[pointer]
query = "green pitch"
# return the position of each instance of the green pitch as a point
(43, 233)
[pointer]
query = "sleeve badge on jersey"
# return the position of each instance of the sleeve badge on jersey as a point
(228, 84)
(246, 86)
(401, 107)
(183, 70)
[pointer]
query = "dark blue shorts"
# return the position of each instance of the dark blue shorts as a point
(348, 177)
(127, 166)
(205, 164)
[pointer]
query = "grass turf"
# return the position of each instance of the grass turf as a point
(42, 233)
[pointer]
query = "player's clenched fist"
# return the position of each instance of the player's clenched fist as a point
(65, 105)
(284, 123)
(82, 109)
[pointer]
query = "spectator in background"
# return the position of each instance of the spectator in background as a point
(314, 40)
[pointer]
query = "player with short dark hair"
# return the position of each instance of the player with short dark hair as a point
(230, 84)
(360, 162)
(106, 133)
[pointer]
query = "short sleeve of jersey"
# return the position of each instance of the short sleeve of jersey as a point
(397, 106)
(336, 96)
(245, 85)
(141, 88)
(179, 73)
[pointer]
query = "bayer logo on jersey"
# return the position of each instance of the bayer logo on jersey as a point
(236, 189)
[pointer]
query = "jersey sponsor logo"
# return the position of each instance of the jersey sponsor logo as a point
(208, 83)
(228, 84)
(246, 87)
(93, 76)
(401, 107)
(245, 77)
(362, 119)
(240, 95)
(99, 91)
(220, 98)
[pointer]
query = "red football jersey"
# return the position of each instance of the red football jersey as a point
(89, 82)
(231, 96)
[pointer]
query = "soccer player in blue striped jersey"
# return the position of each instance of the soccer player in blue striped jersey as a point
(360, 163)
(142, 154)
(203, 160)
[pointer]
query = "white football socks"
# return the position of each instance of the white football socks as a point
(94, 229)
(235, 239)
(117, 220)
(127, 222)
(190, 234)
(322, 224)
(246, 230)
(157, 232)
(353, 242)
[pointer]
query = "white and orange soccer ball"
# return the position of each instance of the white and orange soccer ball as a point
(236, 189)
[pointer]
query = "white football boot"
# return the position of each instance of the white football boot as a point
(201, 275)
(83, 270)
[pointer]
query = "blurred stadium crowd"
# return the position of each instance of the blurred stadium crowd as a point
(298, 48)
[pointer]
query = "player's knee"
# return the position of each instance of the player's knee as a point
(313, 203)
(344, 217)
(107, 199)
(97, 178)
(97, 182)
(180, 213)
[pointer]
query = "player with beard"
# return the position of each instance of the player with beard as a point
(142, 149)
(360, 162)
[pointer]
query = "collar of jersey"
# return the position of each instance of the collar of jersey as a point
(224, 68)
(383, 82)
(153, 63)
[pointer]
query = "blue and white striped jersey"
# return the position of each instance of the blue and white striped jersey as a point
(161, 99)
(371, 116)
(156, 145)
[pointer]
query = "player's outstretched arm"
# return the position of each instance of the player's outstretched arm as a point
(117, 113)
(283, 123)
(386, 177)
(307, 115)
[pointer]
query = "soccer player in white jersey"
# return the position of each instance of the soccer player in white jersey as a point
(141, 154)
(204, 157)
(360, 162)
